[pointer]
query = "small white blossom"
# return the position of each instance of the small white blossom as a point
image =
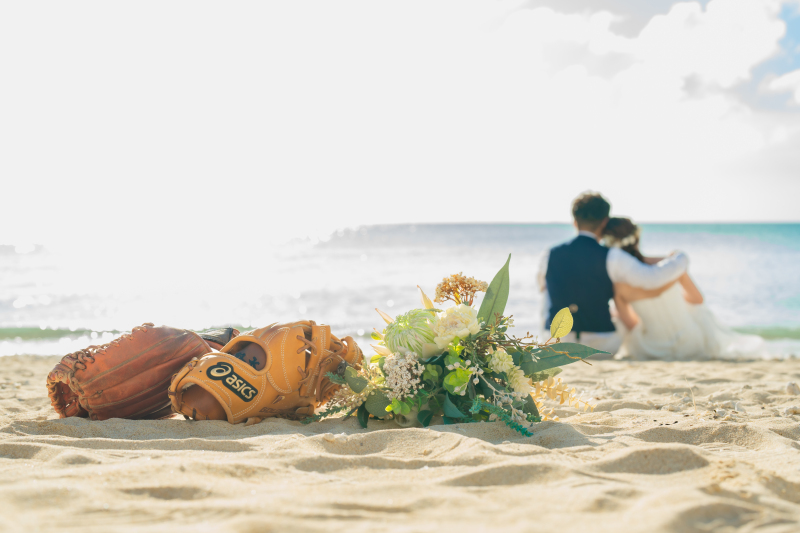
(402, 372)
(516, 380)
(501, 361)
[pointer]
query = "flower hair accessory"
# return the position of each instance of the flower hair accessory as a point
(629, 240)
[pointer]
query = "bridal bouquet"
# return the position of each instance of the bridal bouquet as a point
(460, 363)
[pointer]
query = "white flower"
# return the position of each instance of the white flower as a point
(402, 372)
(501, 361)
(459, 321)
(409, 332)
(516, 380)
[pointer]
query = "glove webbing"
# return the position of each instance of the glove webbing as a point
(81, 357)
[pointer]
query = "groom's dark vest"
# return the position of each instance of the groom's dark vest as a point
(577, 278)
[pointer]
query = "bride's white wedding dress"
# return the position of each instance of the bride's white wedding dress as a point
(671, 328)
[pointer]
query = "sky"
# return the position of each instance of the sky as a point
(212, 122)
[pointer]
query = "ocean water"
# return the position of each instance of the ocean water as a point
(56, 299)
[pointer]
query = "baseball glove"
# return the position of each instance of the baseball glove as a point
(279, 370)
(128, 377)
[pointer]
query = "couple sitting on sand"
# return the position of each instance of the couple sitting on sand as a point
(659, 310)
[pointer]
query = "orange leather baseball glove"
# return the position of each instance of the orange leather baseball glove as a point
(128, 377)
(279, 370)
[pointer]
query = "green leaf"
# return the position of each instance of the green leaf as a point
(529, 406)
(544, 374)
(425, 417)
(522, 359)
(562, 324)
(354, 381)
(450, 409)
(375, 358)
(363, 416)
(486, 390)
(456, 380)
(335, 378)
(431, 373)
(432, 359)
(435, 403)
(447, 420)
(451, 359)
(454, 348)
(376, 404)
(496, 296)
(525, 361)
(560, 354)
(375, 336)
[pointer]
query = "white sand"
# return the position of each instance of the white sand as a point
(629, 466)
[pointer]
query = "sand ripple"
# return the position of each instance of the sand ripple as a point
(654, 457)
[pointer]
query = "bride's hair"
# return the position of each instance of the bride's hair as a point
(623, 233)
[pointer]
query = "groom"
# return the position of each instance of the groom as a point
(580, 275)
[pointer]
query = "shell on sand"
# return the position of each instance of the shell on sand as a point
(630, 466)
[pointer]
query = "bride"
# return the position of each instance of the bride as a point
(671, 322)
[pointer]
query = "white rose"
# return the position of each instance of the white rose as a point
(459, 321)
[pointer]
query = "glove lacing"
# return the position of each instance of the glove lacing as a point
(84, 357)
(322, 392)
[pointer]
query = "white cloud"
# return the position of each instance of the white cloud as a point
(211, 120)
(789, 82)
(720, 44)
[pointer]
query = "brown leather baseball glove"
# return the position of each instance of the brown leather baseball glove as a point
(279, 370)
(128, 377)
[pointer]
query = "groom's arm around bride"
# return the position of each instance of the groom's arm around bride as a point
(581, 273)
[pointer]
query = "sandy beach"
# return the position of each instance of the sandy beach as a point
(648, 459)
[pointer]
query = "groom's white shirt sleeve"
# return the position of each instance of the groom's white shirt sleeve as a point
(622, 267)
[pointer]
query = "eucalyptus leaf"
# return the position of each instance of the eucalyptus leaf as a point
(433, 369)
(494, 302)
(560, 354)
(425, 417)
(525, 361)
(456, 380)
(450, 409)
(562, 324)
(354, 381)
(544, 374)
(451, 359)
(376, 404)
(363, 416)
